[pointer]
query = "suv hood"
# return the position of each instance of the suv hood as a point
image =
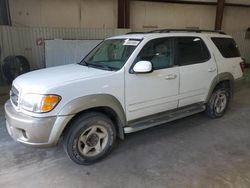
(41, 80)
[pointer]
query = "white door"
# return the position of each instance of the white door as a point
(197, 69)
(154, 92)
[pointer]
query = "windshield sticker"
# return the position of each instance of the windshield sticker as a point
(128, 42)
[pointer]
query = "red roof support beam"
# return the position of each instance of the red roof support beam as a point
(123, 13)
(219, 14)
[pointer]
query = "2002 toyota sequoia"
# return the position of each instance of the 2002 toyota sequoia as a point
(126, 84)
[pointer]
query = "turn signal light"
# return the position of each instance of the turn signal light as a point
(49, 102)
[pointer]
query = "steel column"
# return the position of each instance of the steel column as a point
(219, 14)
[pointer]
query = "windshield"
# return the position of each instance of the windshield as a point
(111, 54)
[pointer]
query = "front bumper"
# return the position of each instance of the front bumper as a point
(31, 130)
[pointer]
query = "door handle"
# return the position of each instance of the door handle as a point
(171, 77)
(211, 69)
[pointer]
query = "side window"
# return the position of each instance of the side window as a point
(227, 47)
(191, 50)
(159, 52)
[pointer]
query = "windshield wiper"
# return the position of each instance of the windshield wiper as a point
(102, 66)
(84, 62)
(97, 65)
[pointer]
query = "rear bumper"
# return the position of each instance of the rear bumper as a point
(31, 130)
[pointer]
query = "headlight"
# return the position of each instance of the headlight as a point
(39, 103)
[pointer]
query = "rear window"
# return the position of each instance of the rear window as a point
(227, 47)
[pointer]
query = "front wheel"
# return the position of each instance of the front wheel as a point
(218, 103)
(89, 138)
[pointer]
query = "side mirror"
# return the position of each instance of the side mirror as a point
(143, 67)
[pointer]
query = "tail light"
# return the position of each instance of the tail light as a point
(242, 65)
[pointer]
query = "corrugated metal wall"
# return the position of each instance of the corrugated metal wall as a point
(28, 41)
(24, 41)
(243, 43)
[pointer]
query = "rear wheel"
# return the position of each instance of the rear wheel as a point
(218, 102)
(89, 138)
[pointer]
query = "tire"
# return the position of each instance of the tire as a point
(14, 66)
(89, 138)
(218, 103)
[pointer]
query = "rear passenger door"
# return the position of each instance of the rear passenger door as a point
(197, 69)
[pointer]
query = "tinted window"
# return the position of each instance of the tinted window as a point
(227, 47)
(159, 52)
(191, 50)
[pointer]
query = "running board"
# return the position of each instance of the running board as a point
(158, 119)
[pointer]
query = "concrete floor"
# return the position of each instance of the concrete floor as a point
(191, 152)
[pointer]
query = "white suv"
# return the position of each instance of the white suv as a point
(126, 84)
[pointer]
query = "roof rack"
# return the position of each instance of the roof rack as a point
(179, 30)
(186, 30)
(135, 33)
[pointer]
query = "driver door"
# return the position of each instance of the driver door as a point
(155, 92)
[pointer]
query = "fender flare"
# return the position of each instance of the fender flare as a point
(94, 101)
(225, 76)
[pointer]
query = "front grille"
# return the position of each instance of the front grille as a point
(14, 94)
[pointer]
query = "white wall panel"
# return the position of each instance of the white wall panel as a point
(169, 15)
(236, 19)
(63, 52)
(64, 13)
